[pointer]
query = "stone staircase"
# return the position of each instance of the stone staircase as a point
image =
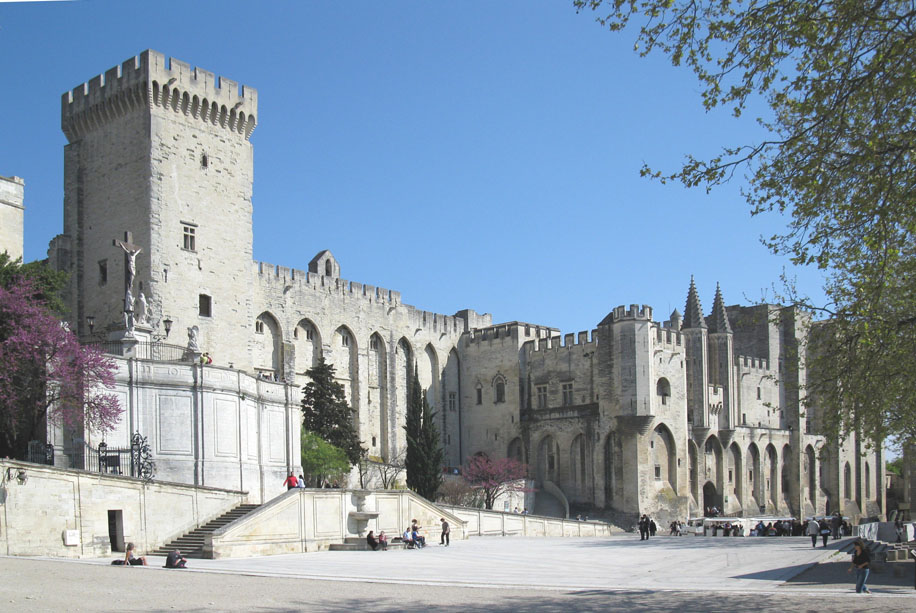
(192, 543)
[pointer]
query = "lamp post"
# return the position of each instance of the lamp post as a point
(167, 325)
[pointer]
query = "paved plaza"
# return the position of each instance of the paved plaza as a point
(492, 574)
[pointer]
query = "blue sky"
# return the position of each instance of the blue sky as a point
(479, 155)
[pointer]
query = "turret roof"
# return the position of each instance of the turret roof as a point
(693, 312)
(718, 319)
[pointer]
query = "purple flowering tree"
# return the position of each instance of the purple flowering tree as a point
(494, 478)
(46, 375)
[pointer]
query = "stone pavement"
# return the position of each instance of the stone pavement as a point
(739, 565)
(480, 575)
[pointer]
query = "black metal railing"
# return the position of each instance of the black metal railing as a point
(145, 350)
(41, 453)
(133, 461)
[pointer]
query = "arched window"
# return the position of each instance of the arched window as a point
(328, 268)
(663, 390)
(847, 481)
(867, 480)
(500, 390)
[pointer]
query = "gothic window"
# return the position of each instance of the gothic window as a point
(663, 390)
(259, 327)
(658, 472)
(479, 395)
(567, 394)
(204, 161)
(452, 401)
(328, 268)
(189, 236)
(344, 339)
(373, 344)
(542, 396)
(205, 308)
(500, 390)
(103, 272)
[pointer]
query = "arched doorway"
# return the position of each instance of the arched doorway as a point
(711, 496)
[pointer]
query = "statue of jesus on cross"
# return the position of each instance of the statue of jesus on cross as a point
(130, 271)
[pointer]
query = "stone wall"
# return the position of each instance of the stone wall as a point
(34, 515)
(312, 519)
(482, 522)
(12, 210)
(206, 425)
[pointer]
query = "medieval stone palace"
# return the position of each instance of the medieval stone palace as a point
(635, 416)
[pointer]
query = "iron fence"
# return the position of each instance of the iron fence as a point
(145, 350)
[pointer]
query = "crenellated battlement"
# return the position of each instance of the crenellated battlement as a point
(150, 80)
(750, 364)
(668, 336)
(635, 311)
(514, 329)
(567, 342)
(286, 279)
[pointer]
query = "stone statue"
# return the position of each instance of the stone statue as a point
(129, 312)
(130, 260)
(194, 339)
(141, 310)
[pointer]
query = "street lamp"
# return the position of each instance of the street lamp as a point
(167, 325)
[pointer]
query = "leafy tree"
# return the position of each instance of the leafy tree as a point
(495, 477)
(840, 80)
(46, 375)
(327, 413)
(321, 460)
(424, 451)
(457, 491)
(47, 283)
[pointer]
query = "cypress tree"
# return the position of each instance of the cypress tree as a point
(327, 413)
(424, 451)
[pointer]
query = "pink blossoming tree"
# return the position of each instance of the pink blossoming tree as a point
(494, 478)
(46, 375)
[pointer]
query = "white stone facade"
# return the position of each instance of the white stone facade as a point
(635, 416)
(12, 209)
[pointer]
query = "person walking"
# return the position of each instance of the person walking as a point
(446, 530)
(861, 560)
(291, 482)
(643, 528)
(653, 527)
(814, 529)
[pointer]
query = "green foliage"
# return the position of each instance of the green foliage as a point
(840, 80)
(327, 413)
(895, 466)
(48, 283)
(321, 460)
(424, 451)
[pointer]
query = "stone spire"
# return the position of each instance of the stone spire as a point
(693, 312)
(719, 318)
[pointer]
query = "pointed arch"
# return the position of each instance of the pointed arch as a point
(344, 352)
(577, 464)
(664, 455)
(693, 467)
(429, 375)
(753, 475)
(548, 462)
(771, 486)
(713, 458)
(612, 468)
(451, 412)
(403, 372)
(377, 397)
(307, 344)
(267, 345)
(736, 474)
(847, 482)
(516, 450)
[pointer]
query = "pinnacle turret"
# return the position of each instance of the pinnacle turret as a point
(693, 312)
(718, 319)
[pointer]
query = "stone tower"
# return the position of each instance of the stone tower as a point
(695, 341)
(11, 213)
(721, 357)
(161, 150)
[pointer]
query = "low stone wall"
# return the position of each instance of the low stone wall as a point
(482, 522)
(312, 519)
(35, 515)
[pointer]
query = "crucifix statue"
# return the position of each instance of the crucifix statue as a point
(130, 271)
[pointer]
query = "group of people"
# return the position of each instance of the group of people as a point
(173, 560)
(292, 481)
(415, 540)
(647, 527)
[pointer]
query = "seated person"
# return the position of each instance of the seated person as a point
(419, 540)
(383, 540)
(373, 542)
(175, 560)
(130, 559)
(408, 538)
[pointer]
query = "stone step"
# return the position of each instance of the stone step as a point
(191, 544)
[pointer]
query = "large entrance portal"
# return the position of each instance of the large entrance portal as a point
(711, 497)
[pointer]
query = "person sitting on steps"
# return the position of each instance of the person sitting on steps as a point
(130, 559)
